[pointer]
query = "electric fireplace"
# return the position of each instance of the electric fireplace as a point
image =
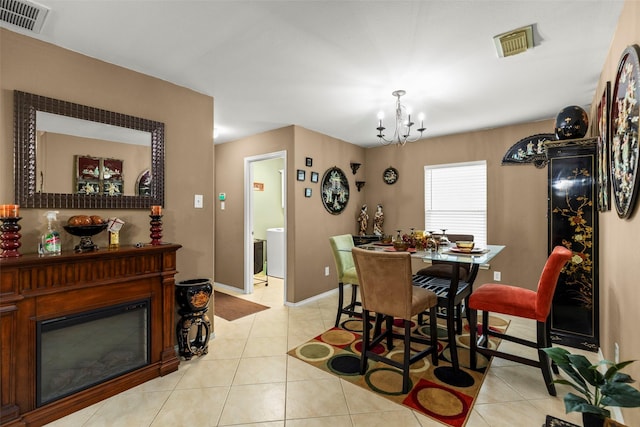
(80, 351)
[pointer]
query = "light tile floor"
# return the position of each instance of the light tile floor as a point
(247, 379)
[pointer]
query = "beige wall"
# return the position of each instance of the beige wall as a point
(619, 266)
(308, 224)
(516, 194)
(30, 65)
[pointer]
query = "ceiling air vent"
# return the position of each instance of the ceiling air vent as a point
(514, 42)
(23, 13)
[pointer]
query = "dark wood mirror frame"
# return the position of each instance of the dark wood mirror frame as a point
(25, 107)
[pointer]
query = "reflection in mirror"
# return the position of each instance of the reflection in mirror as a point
(61, 141)
(56, 142)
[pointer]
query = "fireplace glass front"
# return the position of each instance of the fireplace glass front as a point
(79, 351)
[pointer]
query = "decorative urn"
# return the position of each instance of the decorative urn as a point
(571, 123)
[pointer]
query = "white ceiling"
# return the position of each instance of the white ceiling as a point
(330, 66)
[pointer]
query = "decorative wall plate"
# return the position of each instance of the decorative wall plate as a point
(335, 190)
(625, 108)
(390, 175)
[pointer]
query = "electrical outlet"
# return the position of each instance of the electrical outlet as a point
(616, 353)
(326, 271)
(198, 201)
(497, 276)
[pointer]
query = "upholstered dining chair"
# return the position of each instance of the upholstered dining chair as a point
(386, 288)
(520, 302)
(341, 247)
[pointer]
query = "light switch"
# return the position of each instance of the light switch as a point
(198, 201)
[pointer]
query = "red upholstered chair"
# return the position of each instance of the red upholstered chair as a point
(386, 289)
(520, 302)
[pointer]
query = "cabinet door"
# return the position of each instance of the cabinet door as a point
(573, 223)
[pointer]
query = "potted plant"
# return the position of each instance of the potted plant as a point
(599, 390)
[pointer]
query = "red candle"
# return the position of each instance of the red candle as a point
(156, 210)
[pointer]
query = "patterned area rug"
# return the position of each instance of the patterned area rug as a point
(436, 391)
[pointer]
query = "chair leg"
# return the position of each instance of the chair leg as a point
(545, 366)
(433, 331)
(340, 302)
(366, 330)
(554, 367)
(407, 356)
(389, 333)
(354, 294)
(473, 329)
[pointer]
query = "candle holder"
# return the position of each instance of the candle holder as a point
(156, 229)
(10, 237)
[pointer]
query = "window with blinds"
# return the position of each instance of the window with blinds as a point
(456, 199)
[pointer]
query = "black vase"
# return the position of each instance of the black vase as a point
(571, 123)
(193, 295)
(592, 420)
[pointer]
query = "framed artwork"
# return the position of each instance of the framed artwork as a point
(308, 162)
(307, 192)
(625, 108)
(603, 149)
(88, 186)
(112, 169)
(87, 168)
(301, 175)
(143, 183)
(335, 190)
(112, 187)
(314, 177)
(390, 175)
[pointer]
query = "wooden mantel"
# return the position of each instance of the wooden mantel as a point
(35, 288)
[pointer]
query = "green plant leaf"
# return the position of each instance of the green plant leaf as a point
(573, 403)
(588, 371)
(619, 377)
(561, 358)
(620, 394)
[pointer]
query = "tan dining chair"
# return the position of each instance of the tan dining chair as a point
(386, 289)
(341, 247)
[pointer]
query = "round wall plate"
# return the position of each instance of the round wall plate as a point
(390, 175)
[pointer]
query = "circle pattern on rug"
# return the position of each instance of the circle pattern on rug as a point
(464, 358)
(439, 401)
(353, 325)
(344, 364)
(314, 351)
(417, 366)
(448, 375)
(338, 337)
(357, 345)
(385, 381)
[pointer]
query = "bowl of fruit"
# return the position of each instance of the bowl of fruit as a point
(85, 226)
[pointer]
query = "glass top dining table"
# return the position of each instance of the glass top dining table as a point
(448, 253)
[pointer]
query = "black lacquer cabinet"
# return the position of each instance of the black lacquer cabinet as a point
(573, 223)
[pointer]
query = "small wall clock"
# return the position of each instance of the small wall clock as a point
(335, 190)
(390, 175)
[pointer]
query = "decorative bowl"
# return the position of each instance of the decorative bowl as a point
(85, 232)
(465, 245)
(386, 239)
(401, 246)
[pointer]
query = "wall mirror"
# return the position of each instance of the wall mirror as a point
(71, 156)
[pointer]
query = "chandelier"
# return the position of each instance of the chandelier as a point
(402, 131)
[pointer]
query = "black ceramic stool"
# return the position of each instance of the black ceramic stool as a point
(193, 296)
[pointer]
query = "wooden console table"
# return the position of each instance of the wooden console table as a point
(35, 288)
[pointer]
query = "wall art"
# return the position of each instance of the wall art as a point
(603, 110)
(625, 107)
(335, 190)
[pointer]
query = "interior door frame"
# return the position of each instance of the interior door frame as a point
(248, 216)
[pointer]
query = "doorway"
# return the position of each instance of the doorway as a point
(265, 208)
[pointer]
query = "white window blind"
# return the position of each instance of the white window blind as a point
(456, 199)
